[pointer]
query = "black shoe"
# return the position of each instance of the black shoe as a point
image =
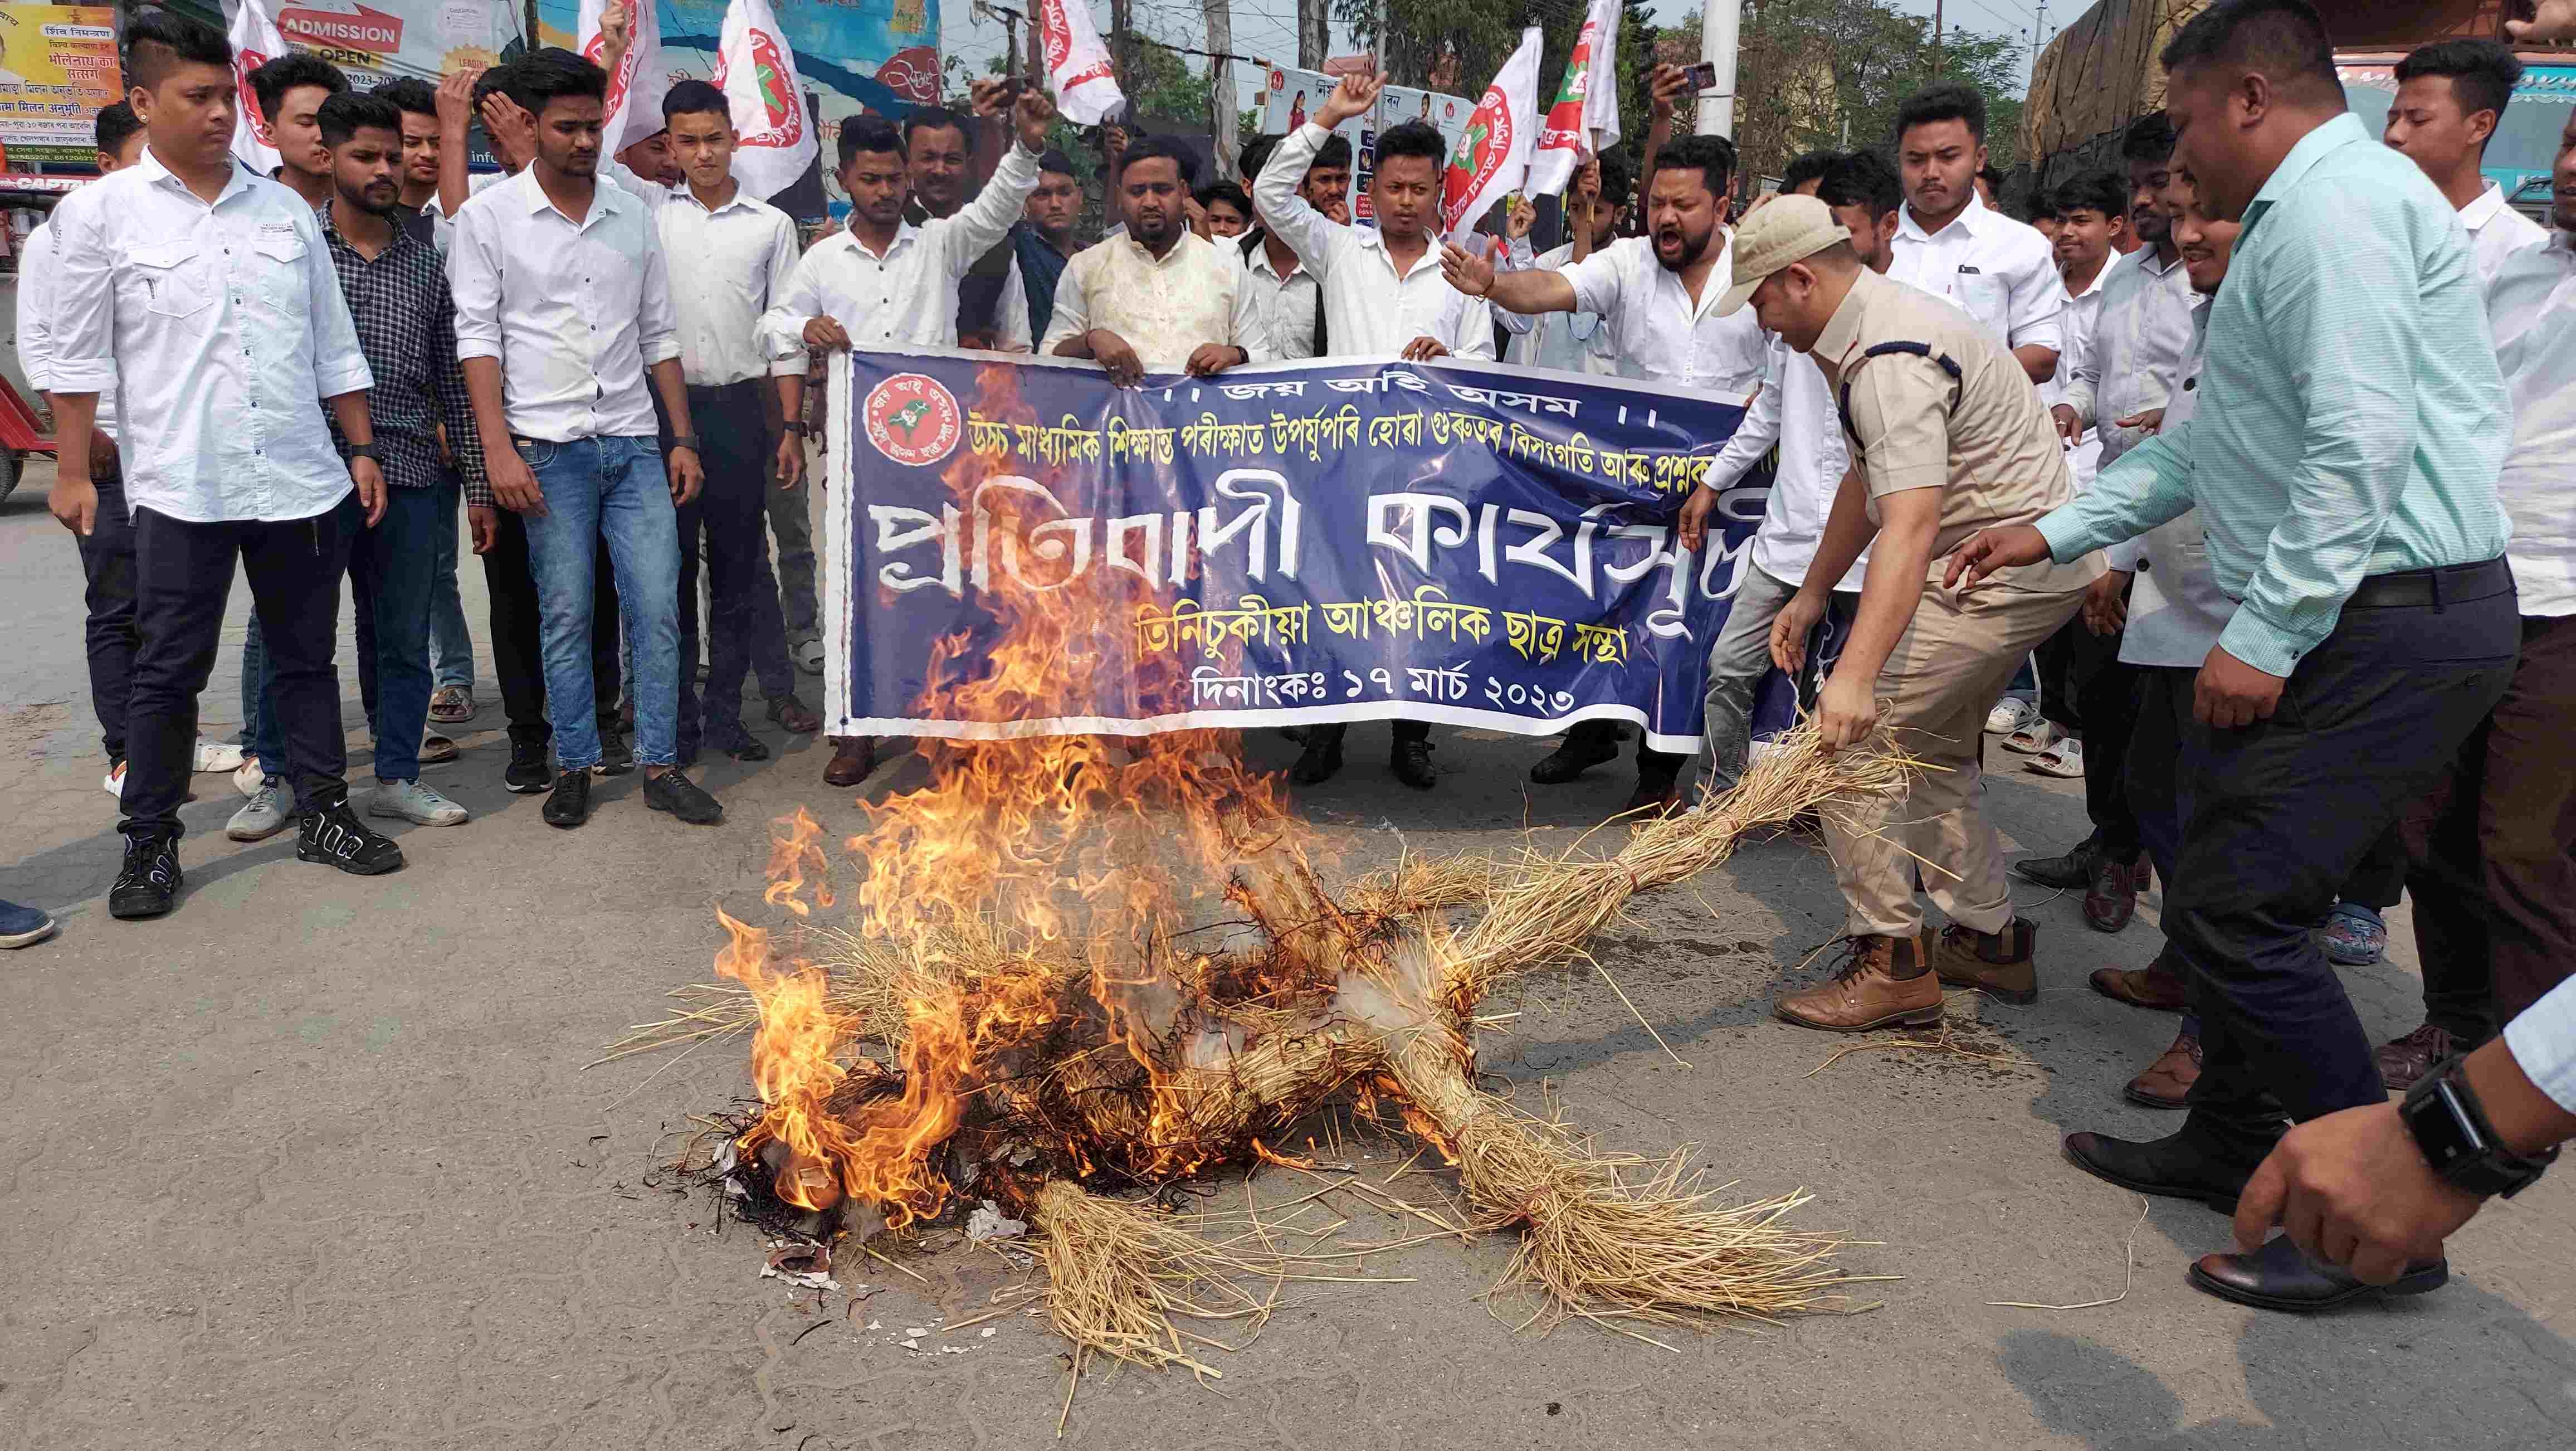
(2071, 872)
(683, 798)
(569, 806)
(1410, 760)
(2178, 1166)
(148, 884)
(1658, 791)
(2279, 1277)
(616, 758)
(335, 836)
(738, 743)
(1587, 745)
(527, 773)
(1322, 757)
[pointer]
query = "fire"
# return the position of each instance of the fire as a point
(1104, 853)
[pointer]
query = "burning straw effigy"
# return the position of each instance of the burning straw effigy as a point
(1075, 971)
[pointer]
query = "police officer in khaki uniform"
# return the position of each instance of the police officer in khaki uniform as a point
(1947, 436)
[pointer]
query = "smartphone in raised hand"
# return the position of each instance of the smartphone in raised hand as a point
(1703, 76)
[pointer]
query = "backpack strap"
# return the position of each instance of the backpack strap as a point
(1842, 404)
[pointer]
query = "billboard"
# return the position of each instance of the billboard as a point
(376, 40)
(57, 69)
(1290, 97)
(852, 55)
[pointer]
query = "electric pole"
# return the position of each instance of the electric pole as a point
(1314, 33)
(1719, 24)
(1936, 39)
(1222, 99)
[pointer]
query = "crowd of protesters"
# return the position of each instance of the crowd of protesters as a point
(2240, 484)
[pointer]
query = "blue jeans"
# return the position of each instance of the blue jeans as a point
(261, 736)
(610, 489)
(451, 648)
(392, 571)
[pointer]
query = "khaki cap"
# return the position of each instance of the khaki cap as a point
(1787, 229)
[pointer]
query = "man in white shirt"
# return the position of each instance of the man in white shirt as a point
(563, 307)
(2129, 364)
(1383, 293)
(1953, 245)
(886, 282)
(939, 156)
(204, 295)
(2492, 855)
(2450, 99)
(1161, 298)
(1568, 342)
(1796, 411)
(1292, 301)
(1657, 298)
(291, 89)
(736, 253)
(107, 551)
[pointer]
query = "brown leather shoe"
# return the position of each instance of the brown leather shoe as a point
(1866, 992)
(2155, 987)
(2167, 1081)
(2403, 1062)
(853, 759)
(2279, 1277)
(1998, 964)
(2111, 896)
(797, 718)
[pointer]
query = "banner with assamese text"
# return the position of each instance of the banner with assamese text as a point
(1301, 542)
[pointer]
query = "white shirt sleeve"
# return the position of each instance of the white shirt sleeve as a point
(2038, 296)
(1011, 325)
(35, 328)
(794, 305)
(981, 223)
(474, 277)
(657, 325)
(1471, 331)
(1760, 428)
(1072, 306)
(786, 355)
(2543, 1042)
(338, 365)
(1309, 233)
(83, 298)
(1251, 321)
(1596, 283)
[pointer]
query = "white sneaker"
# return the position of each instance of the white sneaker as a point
(116, 781)
(249, 776)
(2010, 714)
(217, 756)
(270, 810)
(411, 801)
(809, 657)
(2064, 759)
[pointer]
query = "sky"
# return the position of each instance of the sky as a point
(1268, 28)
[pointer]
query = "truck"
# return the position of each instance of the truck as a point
(2100, 74)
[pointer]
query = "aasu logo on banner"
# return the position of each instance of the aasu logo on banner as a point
(244, 62)
(1482, 150)
(912, 419)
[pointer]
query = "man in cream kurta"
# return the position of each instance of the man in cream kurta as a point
(1160, 298)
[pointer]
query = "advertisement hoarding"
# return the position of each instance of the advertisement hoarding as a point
(57, 68)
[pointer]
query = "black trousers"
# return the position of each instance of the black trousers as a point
(184, 573)
(2086, 692)
(746, 631)
(2281, 812)
(518, 658)
(109, 633)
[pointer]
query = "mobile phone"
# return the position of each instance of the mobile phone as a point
(1703, 76)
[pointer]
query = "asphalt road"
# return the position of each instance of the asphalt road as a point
(316, 1163)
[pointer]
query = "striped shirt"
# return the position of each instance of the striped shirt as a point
(2353, 419)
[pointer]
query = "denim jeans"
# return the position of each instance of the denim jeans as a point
(261, 737)
(610, 489)
(451, 646)
(392, 574)
(1739, 660)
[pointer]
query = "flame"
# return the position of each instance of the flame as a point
(1095, 849)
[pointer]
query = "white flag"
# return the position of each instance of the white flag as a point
(1584, 122)
(1493, 155)
(1078, 68)
(757, 73)
(256, 42)
(636, 88)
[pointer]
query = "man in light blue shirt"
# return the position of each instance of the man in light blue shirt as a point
(2343, 459)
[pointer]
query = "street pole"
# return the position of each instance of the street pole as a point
(1228, 107)
(1936, 39)
(1719, 22)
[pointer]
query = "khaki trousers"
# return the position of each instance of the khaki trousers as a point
(1947, 671)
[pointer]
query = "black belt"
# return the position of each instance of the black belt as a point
(722, 392)
(2452, 584)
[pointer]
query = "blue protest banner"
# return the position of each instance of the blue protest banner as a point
(1324, 541)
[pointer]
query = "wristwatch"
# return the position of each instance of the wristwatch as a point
(688, 441)
(797, 427)
(2451, 1129)
(365, 451)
